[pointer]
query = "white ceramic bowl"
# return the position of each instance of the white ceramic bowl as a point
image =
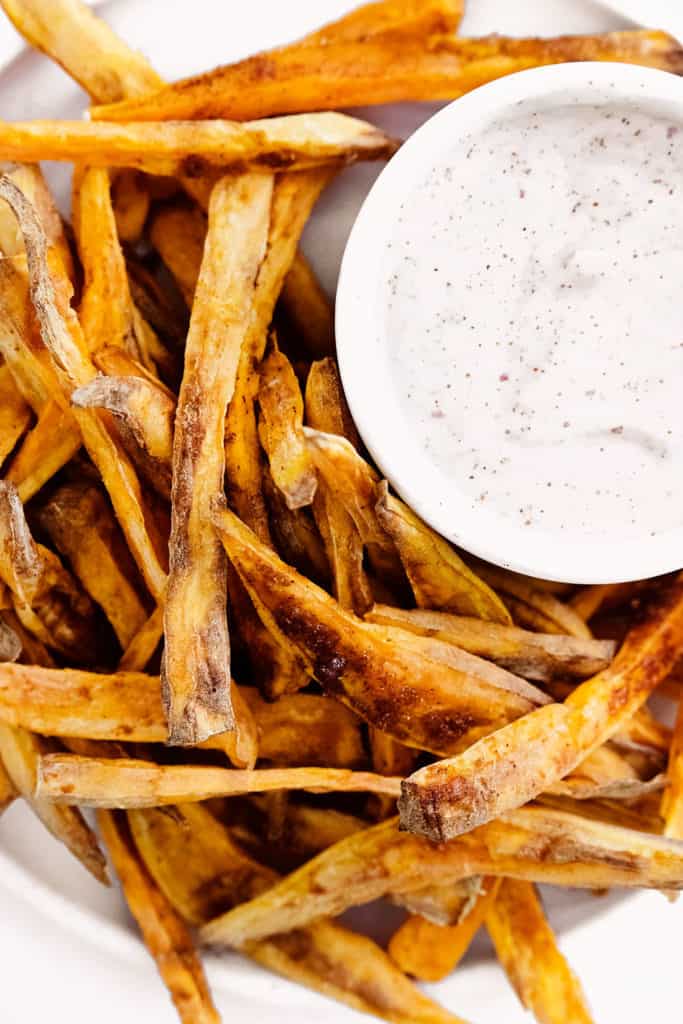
(365, 351)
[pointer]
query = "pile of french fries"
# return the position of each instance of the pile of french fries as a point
(218, 626)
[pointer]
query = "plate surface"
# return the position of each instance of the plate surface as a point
(67, 945)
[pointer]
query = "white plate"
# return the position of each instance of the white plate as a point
(67, 946)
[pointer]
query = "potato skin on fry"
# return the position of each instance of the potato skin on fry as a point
(281, 431)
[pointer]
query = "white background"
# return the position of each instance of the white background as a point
(78, 968)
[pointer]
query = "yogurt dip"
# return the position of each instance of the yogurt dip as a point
(510, 322)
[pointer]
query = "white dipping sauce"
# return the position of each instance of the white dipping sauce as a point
(534, 301)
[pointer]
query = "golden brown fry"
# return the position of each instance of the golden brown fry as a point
(411, 18)
(351, 481)
(202, 872)
(178, 232)
(101, 782)
(430, 951)
(164, 932)
(533, 843)
(82, 527)
(388, 758)
(326, 407)
(527, 949)
(123, 706)
(672, 798)
(294, 533)
(397, 688)
(10, 643)
(438, 576)
(33, 651)
(7, 791)
(142, 646)
(534, 607)
(538, 656)
(306, 729)
(441, 904)
(62, 336)
(46, 598)
(308, 309)
(590, 600)
(29, 178)
(21, 752)
(282, 433)
(85, 46)
(145, 414)
(196, 668)
(15, 414)
(385, 70)
(306, 831)
(605, 774)
(450, 797)
(131, 200)
(159, 303)
(53, 441)
(195, 149)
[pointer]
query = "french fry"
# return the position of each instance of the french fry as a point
(201, 871)
(356, 663)
(7, 791)
(388, 758)
(29, 178)
(159, 303)
(122, 706)
(21, 752)
(32, 650)
(672, 798)
(326, 407)
(84, 46)
(590, 600)
(48, 446)
(537, 656)
(10, 644)
(82, 527)
(352, 480)
(441, 904)
(46, 598)
(63, 338)
(412, 18)
(534, 607)
(165, 934)
(430, 951)
(294, 533)
(100, 782)
(534, 843)
(144, 414)
(131, 201)
(605, 774)
(306, 729)
(196, 668)
(177, 232)
(384, 70)
(195, 149)
(281, 431)
(15, 414)
(308, 309)
(142, 646)
(527, 949)
(451, 797)
(438, 576)
(306, 831)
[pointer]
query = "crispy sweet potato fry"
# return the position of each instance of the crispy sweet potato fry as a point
(306, 831)
(164, 932)
(526, 947)
(453, 796)
(159, 303)
(177, 232)
(384, 70)
(100, 782)
(438, 576)
(672, 798)
(282, 433)
(29, 178)
(142, 646)
(131, 200)
(326, 407)
(534, 607)
(308, 309)
(21, 752)
(352, 480)
(430, 951)
(538, 656)
(82, 527)
(306, 729)
(590, 600)
(410, 18)
(46, 598)
(123, 706)
(15, 414)
(196, 667)
(441, 904)
(533, 843)
(194, 149)
(401, 691)
(84, 46)
(63, 338)
(294, 533)
(52, 442)
(202, 872)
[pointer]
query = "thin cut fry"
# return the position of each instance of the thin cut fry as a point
(539, 656)
(52, 442)
(281, 431)
(384, 70)
(526, 947)
(178, 232)
(451, 797)
(430, 951)
(560, 617)
(142, 646)
(123, 706)
(294, 534)
(100, 782)
(29, 178)
(534, 843)
(82, 527)
(165, 935)
(672, 799)
(308, 309)
(21, 752)
(197, 148)
(196, 668)
(412, 18)
(441, 904)
(438, 576)
(131, 201)
(15, 414)
(326, 407)
(356, 663)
